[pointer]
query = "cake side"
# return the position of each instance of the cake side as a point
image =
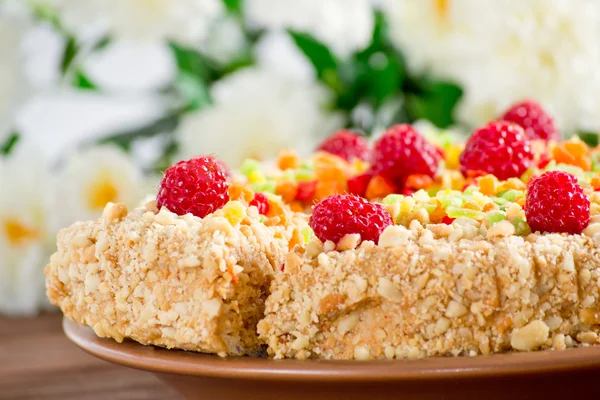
(435, 291)
(167, 280)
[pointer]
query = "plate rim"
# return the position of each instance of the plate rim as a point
(158, 360)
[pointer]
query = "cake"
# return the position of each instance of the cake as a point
(408, 248)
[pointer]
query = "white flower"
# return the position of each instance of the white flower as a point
(14, 86)
(24, 240)
(186, 21)
(225, 41)
(344, 25)
(256, 113)
(504, 51)
(277, 51)
(92, 178)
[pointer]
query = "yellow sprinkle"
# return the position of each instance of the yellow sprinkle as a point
(453, 156)
(256, 177)
(234, 212)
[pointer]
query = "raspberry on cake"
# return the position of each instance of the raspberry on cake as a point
(499, 148)
(348, 145)
(533, 119)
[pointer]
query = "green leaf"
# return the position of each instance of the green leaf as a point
(9, 144)
(590, 138)
(434, 101)
(193, 90)
(81, 81)
(69, 53)
(190, 61)
(322, 59)
(234, 6)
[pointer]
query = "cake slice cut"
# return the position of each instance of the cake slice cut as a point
(167, 280)
(437, 290)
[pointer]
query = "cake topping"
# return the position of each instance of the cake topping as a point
(347, 144)
(346, 214)
(499, 148)
(197, 186)
(402, 151)
(556, 203)
(533, 119)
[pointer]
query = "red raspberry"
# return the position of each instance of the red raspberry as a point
(499, 148)
(556, 203)
(261, 202)
(346, 144)
(197, 186)
(402, 151)
(532, 117)
(341, 214)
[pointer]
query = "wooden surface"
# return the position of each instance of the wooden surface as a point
(38, 362)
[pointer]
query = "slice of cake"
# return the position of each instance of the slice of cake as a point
(196, 281)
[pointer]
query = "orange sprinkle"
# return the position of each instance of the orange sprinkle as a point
(489, 207)
(378, 188)
(288, 159)
(514, 183)
(296, 206)
(419, 181)
(234, 277)
(295, 239)
(471, 205)
(577, 148)
(240, 192)
(521, 201)
(276, 210)
(327, 188)
(595, 182)
(287, 190)
(488, 185)
(438, 214)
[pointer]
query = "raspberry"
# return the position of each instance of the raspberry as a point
(533, 119)
(402, 151)
(261, 202)
(342, 214)
(197, 186)
(499, 148)
(556, 203)
(346, 144)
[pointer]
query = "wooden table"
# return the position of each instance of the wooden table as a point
(38, 362)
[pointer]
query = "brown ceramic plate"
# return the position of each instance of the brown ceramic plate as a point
(566, 374)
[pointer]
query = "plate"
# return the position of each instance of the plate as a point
(567, 374)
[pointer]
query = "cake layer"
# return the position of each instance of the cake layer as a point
(167, 280)
(436, 291)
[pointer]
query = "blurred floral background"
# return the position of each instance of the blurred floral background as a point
(97, 97)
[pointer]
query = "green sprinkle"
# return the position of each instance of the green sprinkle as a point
(289, 175)
(248, 166)
(304, 175)
(595, 162)
(521, 226)
(430, 207)
(392, 198)
(500, 201)
(268, 186)
(512, 195)
(456, 212)
(307, 234)
(471, 189)
(451, 201)
(495, 216)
